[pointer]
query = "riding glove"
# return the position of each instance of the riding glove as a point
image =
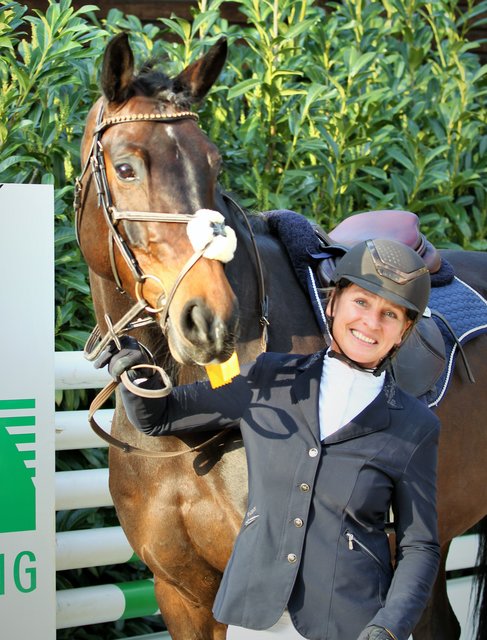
(376, 633)
(130, 354)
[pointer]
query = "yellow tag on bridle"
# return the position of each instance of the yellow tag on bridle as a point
(223, 372)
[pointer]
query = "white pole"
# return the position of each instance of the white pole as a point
(89, 605)
(91, 548)
(105, 603)
(73, 371)
(82, 489)
(73, 430)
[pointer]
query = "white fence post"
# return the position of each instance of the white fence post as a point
(27, 412)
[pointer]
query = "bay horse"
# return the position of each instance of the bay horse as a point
(147, 168)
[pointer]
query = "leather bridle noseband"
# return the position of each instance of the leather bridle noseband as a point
(97, 342)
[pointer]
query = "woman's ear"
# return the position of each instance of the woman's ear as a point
(405, 333)
(330, 305)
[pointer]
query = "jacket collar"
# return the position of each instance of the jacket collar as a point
(375, 417)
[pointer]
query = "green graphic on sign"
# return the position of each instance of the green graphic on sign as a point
(17, 457)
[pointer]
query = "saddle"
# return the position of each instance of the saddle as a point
(402, 226)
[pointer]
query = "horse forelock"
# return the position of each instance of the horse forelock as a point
(152, 83)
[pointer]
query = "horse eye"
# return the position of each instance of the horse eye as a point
(125, 171)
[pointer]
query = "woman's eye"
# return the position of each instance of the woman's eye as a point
(390, 314)
(125, 171)
(360, 302)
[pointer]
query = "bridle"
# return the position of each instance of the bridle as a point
(96, 161)
(97, 342)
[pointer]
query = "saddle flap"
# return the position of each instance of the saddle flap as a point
(421, 360)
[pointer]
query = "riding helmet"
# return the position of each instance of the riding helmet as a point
(389, 269)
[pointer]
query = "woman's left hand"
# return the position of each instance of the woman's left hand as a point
(124, 359)
(375, 633)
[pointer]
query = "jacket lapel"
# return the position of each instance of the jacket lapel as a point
(305, 390)
(375, 417)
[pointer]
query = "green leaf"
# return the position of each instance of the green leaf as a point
(361, 62)
(365, 186)
(479, 74)
(178, 26)
(16, 160)
(397, 155)
(243, 87)
(375, 172)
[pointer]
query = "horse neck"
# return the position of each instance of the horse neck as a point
(293, 326)
(243, 275)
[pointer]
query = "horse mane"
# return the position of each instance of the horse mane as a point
(152, 83)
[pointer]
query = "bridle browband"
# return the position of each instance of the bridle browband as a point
(97, 342)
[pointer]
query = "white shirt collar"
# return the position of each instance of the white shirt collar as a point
(344, 393)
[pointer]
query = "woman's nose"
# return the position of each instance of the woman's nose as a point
(372, 319)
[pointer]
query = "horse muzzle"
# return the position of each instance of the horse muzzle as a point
(199, 336)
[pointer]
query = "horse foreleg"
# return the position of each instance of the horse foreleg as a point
(438, 621)
(185, 618)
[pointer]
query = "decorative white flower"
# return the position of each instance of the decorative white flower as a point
(207, 228)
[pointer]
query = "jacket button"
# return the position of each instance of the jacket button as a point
(313, 452)
(292, 557)
(304, 487)
(298, 522)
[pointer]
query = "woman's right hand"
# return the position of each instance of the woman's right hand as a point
(118, 361)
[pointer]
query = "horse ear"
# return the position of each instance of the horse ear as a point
(117, 70)
(198, 78)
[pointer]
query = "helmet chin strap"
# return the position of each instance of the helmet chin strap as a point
(375, 371)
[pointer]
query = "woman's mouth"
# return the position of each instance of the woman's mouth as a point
(363, 338)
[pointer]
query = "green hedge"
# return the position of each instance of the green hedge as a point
(362, 105)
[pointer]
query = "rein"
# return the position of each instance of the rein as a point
(97, 342)
(100, 400)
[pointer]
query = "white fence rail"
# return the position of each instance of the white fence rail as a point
(98, 547)
(85, 489)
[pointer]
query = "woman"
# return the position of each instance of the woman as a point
(332, 444)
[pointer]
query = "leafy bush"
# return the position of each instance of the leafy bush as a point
(377, 105)
(48, 82)
(361, 105)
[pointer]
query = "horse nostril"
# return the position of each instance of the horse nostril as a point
(199, 323)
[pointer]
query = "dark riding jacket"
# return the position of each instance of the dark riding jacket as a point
(313, 537)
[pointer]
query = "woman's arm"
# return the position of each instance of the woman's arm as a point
(418, 554)
(190, 407)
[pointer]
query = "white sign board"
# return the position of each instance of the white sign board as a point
(27, 456)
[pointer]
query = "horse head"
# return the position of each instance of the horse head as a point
(148, 168)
